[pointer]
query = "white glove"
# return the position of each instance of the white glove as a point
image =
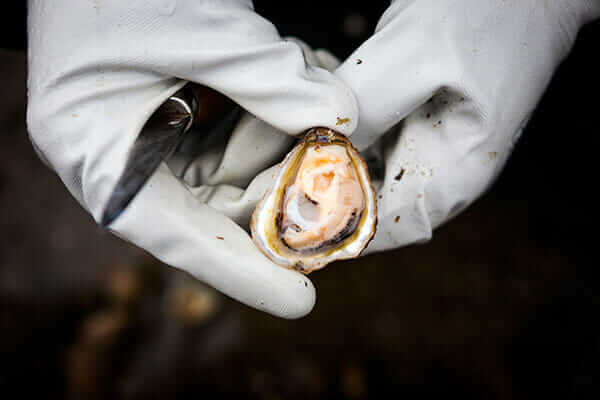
(484, 64)
(98, 70)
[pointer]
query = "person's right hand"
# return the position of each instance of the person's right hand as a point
(99, 69)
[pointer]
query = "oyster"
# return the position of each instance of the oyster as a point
(321, 207)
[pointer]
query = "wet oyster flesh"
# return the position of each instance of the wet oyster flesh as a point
(324, 202)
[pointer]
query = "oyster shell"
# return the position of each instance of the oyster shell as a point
(321, 207)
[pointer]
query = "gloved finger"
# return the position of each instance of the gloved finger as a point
(253, 145)
(327, 60)
(184, 233)
(316, 57)
(217, 177)
(235, 203)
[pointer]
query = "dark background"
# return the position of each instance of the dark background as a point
(501, 304)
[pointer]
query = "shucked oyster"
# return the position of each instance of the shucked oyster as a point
(321, 207)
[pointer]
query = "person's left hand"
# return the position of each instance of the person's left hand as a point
(99, 69)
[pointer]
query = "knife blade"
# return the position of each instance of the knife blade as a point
(192, 106)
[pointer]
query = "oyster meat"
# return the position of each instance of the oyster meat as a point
(321, 207)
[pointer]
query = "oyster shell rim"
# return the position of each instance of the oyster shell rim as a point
(324, 136)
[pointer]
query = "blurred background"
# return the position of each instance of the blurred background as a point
(501, 304)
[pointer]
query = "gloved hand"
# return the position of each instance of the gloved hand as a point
(464, 77)
(98, 70)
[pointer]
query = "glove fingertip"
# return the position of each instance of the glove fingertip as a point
(302, 303)
(317, 97)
